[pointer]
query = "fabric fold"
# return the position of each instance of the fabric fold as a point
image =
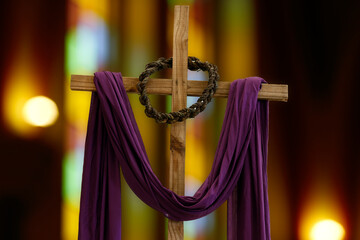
(113, 141)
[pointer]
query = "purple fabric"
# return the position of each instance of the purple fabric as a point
(113, 141)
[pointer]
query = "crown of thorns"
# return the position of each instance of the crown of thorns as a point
(194, 64)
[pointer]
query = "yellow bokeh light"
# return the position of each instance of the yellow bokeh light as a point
(40, 111)
(327, 230)
(321, 203)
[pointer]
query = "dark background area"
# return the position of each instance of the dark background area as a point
(314, 47)
(30, 168)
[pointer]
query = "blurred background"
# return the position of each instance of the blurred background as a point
(314, 154)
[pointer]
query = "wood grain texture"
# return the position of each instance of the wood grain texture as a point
(271, 92)
(179, 95)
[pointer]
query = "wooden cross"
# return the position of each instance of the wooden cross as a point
(179, 87)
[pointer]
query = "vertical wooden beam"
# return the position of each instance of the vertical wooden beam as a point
(178, 130)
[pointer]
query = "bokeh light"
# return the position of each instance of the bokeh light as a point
(40, 111)
(327, 230)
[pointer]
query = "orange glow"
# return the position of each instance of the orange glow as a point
(327, 230)
(197, 40)
(322, 204)
(19, 87)
(195, 155)
(101, 8)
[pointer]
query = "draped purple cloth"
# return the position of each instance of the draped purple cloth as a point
(238, 173)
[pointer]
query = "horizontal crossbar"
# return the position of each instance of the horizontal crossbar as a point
(271, 92)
